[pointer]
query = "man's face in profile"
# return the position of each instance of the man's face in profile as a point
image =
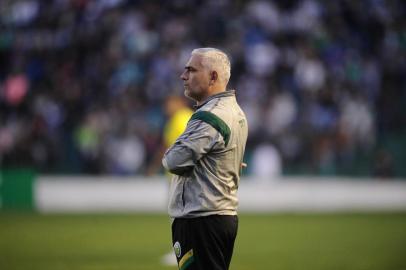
(195, 78)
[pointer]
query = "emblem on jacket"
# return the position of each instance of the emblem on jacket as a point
(177, 249)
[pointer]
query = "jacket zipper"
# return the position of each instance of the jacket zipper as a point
(183, 193)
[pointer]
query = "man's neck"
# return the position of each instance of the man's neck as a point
(212, 93)
(213, 90)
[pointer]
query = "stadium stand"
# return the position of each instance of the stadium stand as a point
(82, 82)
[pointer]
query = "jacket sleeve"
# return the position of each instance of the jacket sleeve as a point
(198, 139)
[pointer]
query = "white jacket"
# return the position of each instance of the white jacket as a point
(206, 159)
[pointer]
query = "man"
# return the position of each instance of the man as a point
(206, 160)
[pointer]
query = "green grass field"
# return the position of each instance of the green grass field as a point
(277, 242)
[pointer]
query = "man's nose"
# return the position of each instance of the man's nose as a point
(183, 76)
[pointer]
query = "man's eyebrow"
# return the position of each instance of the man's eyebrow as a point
(190, 68)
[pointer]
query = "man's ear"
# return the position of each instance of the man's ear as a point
(213, 77)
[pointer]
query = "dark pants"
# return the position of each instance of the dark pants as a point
(204, 243)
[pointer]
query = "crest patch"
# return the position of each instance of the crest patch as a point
(177, 249)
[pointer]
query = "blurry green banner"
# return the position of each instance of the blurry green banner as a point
(16, 189)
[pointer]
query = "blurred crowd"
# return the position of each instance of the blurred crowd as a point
(83, 82)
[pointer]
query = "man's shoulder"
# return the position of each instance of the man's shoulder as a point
(224, 107)
(220, 104)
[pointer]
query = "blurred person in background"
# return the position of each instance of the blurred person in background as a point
(178, 114)
(207, 160)
(266, 163)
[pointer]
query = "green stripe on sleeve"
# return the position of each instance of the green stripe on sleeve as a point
(215, 122)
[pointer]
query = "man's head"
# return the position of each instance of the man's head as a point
(206, 73)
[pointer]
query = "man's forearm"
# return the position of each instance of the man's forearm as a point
(178, 160)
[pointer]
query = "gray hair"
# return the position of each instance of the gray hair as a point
(217, 60)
